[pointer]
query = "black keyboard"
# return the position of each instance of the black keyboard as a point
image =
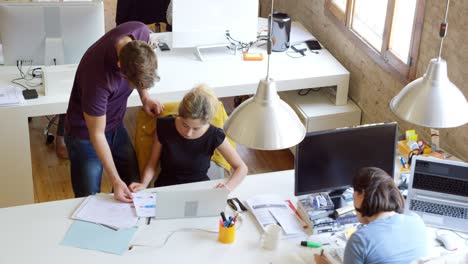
(440, 184)
(439, 209)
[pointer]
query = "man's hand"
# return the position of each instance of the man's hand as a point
(122, 192)
(152, 107)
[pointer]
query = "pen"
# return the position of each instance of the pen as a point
(236, 215)
(110, 227)
(223, 217)
(228, 222)
(321, 252)
(148, 221)
(403, 162)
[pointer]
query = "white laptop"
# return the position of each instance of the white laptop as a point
(190, 203)
(438, 192)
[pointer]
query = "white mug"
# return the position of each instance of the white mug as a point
(271, 237)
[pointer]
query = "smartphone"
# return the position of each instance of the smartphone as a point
(163, 46)
(313, 45)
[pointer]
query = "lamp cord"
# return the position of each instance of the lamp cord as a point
(270, 29)
(443, 29)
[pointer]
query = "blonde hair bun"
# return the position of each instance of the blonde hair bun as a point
(199, 103)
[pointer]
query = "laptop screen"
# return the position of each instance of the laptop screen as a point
(441, 178)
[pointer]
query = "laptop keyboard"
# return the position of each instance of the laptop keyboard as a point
(440, 209)
(440, 184)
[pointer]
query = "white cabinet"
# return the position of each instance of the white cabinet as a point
(318, 111)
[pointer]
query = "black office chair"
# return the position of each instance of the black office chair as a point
(145, 11)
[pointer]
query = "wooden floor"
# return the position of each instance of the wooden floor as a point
(51, 175)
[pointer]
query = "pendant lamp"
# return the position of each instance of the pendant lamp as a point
(432, 100)
(264, 121)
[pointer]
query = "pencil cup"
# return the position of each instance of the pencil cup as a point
(227, 235)
(271, 237)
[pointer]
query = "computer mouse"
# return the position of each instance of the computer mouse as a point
(448, 241)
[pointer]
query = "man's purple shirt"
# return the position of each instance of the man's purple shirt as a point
(99, 87)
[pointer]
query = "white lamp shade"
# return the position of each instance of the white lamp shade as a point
(432, 100)
(265, 121)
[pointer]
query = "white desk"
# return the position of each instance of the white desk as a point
(32, 233)
(180, 70)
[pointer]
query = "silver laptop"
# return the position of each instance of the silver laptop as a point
(438, 192)
(190, 203)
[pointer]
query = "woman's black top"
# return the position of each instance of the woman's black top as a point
(185, 160)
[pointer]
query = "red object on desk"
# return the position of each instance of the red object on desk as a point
(291, 205)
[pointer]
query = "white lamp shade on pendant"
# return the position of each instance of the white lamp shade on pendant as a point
(264, 121)
(432, 100)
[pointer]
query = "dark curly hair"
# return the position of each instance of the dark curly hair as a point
(380, 192)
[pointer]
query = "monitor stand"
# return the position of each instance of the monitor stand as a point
(336, 198)
(216, 51)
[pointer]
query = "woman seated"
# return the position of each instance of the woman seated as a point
(184, 144)
(388, 235)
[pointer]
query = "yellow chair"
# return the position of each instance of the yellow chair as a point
(146, 127)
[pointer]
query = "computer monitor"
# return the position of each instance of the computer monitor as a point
(328, 160)
(205, 22)
(48, 33)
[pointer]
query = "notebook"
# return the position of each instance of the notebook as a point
(190, 203)
(438, 192)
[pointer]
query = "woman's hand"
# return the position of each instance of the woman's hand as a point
(321, 259)
(222, 185)
(136, 186)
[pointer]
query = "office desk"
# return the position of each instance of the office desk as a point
(32, 233)
(180, 70)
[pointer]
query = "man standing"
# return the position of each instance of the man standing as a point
(96, 139)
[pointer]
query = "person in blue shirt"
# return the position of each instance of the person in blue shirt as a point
(388, 235)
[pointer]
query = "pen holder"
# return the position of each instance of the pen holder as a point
(227, 235)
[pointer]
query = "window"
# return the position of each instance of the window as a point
(388, 30)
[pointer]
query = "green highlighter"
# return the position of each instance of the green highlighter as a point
(310, 244)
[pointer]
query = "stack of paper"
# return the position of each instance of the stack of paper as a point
(10, 95)
(105, 210)
(271, 209)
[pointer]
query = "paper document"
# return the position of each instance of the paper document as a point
(11, 95)
(288, 222)
(145, 204)
(104, 209)
(271, 209)
(97, 237)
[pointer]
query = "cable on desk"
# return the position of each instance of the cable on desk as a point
(238, 226)
(465, 238)
(296, 56)
(303, 92)
(27, 76)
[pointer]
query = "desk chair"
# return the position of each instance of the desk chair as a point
(146, 11)
(146, 127)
